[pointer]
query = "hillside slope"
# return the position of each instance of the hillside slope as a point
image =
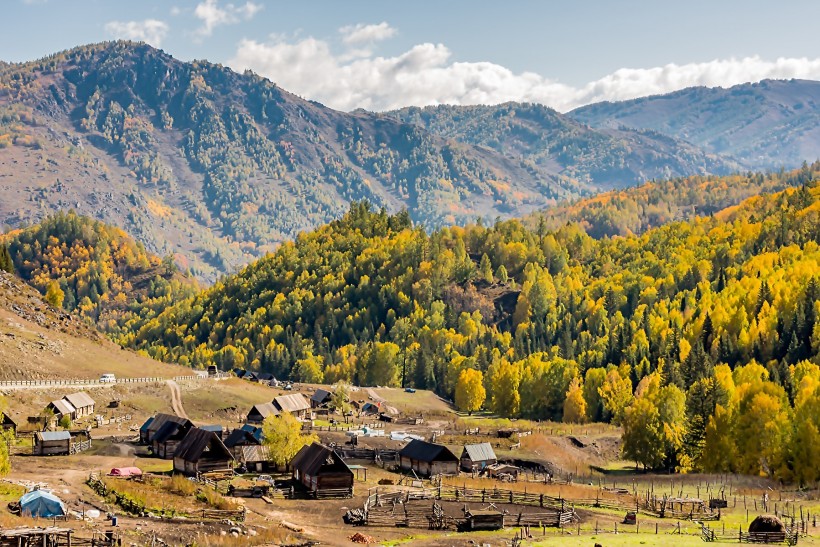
(607, 158)
(765, 125)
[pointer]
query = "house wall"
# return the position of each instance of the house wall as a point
(444, 468)
(52, 448)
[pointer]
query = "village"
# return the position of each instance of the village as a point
(98, 467)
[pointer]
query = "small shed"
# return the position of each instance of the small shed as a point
(242, 437)
(320, 398)
(8, 423)
(370, 409)
(294, 404)
(202, 452)
(144, 428)
(323, 472)
(52, 443)
(170, 435)
(82, 402)
(428, 458)
(258, 413)
(61, 408)
(477, 457)
(484, 520)
(500, 470)
(266, 378)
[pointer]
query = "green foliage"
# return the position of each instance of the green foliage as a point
(65, 422)
(6, 263)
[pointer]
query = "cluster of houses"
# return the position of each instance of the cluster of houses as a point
(75, 406)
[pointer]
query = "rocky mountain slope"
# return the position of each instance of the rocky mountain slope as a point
(766, 125)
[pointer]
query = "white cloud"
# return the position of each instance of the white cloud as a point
(426, 75)
(151, 31)
(212, 15)
(361, 33)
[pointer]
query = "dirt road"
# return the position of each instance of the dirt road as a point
(176, 399)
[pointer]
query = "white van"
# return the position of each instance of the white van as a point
(108, 378)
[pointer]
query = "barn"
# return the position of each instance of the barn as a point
(52, 443)
(477, 457)
(258, 413)
(254, 457)
(82, 403)
(428, 459)
(169, 436)
(202, 452)
(323, 472)
(295, 404)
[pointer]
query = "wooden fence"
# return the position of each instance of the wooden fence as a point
(80, 382)
(79, 446)
(789, 537)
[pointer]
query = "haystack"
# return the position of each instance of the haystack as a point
(768, 524)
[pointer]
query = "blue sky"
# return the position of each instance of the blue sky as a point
(385, 54)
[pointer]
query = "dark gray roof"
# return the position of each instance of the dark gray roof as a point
(427, 452)
(171, 430)
(147, 424)
(480, 452)
(320, 396)
(161, 419)
(241, 437)
(198, 442)
(311, 458)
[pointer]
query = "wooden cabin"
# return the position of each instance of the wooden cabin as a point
(254, 457)
(484, 520)
(320, 398)
(477, 457)
(294, 404)
(428, 459)
(152, 425)
(169, 436)
(61, 408)
(8, 423)
(503, 470)
(202, 452)
(82, 403)
(258, 413)
(323, 472)
(52, 443)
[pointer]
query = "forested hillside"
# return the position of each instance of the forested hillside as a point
(765, 125)
(605, 158)
(695, 336)
(92, 269)
(635, 210)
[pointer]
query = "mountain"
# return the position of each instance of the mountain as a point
(219, 167)
(604, 158)
(765, 125)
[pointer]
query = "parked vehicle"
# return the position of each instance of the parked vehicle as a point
(108, 378)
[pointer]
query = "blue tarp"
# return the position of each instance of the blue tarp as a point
(39, 503)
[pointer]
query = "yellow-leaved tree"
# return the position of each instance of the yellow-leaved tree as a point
(282, 434)
(470, 393)
(575, 406)
(55, 295)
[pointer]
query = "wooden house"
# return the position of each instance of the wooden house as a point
(169, 436)
(320, 398)
(202, 452)
(503, 470)
(82, 403)
(253, 457)
(8, 423)
(484, 520)
(428, 459)
(61, 408)
(152, 425)
(52, 443)
(477, 457)
(266, 378)
(258, 413)
(323, 472)
(294, 404)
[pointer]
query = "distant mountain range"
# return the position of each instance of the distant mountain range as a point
(765, 125)
(218, 168)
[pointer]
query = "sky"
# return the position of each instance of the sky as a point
(385, 54)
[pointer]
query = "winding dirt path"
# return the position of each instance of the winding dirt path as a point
(176, 399)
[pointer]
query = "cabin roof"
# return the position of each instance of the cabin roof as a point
(320, 396)
(80, 399)
(480, 452)
(427, 452)
(265, 410)
(294, 402)
(311, 458)
(52, 435)
(198, 442)
(63, 407)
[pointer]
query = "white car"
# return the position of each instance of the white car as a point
(108, 379)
